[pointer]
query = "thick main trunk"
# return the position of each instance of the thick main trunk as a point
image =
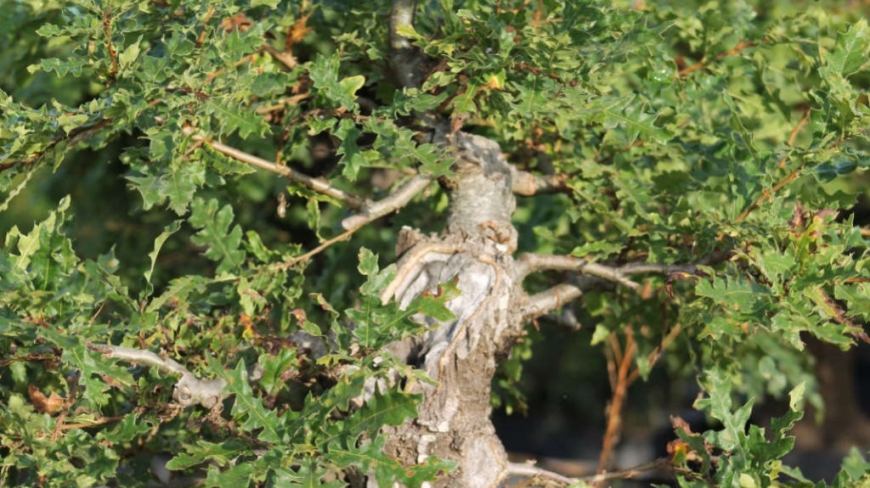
(474, 253)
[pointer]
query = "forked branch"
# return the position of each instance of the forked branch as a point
(587, 275)
(368, 210)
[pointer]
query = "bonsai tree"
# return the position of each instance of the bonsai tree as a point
(294, 243)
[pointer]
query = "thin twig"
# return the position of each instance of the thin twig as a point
(704, 62)
(282, 103)
(614, 410)
(283, 266)
(113, 55)
(214, 74)
(318, 185)
(653, 357)
(659, 464)
(85, 425)
(793, 135)
(76, 135)
(767, 194)
(525, 469)
(656, 268)
(67, 404)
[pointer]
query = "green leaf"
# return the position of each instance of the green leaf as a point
(129, 55)
(221, 453)
(178, 184)
(600, 335)
(368, 262)
(222, 242)
(308, 475)
(851, 51)
(158, 243)
(384, 408)
(350, 85)
(249, 410)
(324, 73)
(351, 156)
(236, 118)
(637, 123)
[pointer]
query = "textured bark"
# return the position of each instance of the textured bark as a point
(474, 252)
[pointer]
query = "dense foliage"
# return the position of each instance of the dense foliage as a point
(724, 136)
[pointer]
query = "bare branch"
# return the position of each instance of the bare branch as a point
(527, 184)
(318, 185)
(591, 274)
(552, 299)
(529, 263)
(565, 318)
(396, 200)
(283, 266)
(189, 390)
(283, 103)
(405, 60)
(525, 469)
(656, 268)
(661, 464)
(534, 472)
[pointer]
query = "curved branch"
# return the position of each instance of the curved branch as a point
(396, 200)
(189, 390)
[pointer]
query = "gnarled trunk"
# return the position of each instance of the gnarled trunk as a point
(475, 253)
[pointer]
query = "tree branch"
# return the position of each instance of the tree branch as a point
(396, 200)
(189, 390)
(534, 472)
(369, 210)
(527, 184)
(525, 469)
(553, 298)
(589, 274)
(655, 268)
(403, 58)
(318, 185)
(705, 61)
(530, 263)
